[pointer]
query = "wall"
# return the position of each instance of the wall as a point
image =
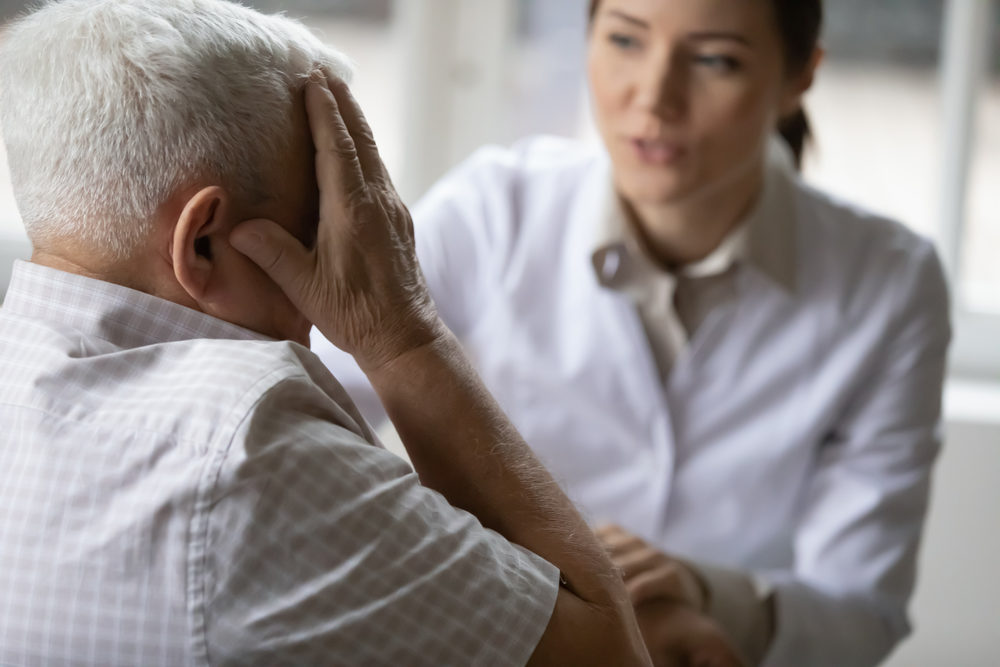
(11, 248)
(956, 609)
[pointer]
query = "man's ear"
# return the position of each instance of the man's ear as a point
(196, 235)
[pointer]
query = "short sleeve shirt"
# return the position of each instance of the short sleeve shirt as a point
(180, 491)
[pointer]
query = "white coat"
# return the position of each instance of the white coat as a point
(795, 435)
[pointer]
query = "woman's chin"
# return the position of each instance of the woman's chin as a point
(644, 185)
(663, 192)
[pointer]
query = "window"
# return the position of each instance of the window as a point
(879, 150)
(914, 142)
(981, 270)
(970, 211)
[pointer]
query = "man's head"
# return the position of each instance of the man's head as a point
(139, 132)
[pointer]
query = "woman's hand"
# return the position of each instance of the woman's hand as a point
(670, 600)
(649, 573)
(678, 636)
(360, 285)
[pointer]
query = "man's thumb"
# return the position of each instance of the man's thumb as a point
(273, 249)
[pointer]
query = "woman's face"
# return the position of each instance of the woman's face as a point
(686, 94)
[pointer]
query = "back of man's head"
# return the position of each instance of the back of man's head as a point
(109, 107)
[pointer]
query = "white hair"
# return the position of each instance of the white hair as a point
(109, 107)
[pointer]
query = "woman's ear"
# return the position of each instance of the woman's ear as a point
(798, 85)
(196, 233)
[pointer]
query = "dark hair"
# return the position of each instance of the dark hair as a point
(799, 24)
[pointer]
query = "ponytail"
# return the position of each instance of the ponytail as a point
(796, 132)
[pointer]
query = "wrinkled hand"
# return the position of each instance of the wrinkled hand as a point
(360, 285)
(678, 636)
(650, 573)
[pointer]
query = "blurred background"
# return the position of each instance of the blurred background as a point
(906, 112)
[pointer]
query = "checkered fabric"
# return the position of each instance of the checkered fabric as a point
(176, 490)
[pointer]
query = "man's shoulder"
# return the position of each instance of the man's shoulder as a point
(246, 362)
(188, 391)
(236, 375)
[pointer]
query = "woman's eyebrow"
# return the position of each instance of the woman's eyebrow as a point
(714, 36)
(627, 18)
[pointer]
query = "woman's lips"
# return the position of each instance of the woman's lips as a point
(658, 152)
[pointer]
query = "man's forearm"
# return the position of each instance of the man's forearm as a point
(461, 444)
(361, 286)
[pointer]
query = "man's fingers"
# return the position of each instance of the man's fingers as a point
(364, 141)
(278, 253)
(338, 169)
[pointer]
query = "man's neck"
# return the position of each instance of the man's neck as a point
(680, 233)
(143, 276)
(78, 263)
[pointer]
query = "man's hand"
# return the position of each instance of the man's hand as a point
(361, 285)
(649, 573)
(678, 636)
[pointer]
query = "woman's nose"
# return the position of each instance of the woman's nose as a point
(663, 88)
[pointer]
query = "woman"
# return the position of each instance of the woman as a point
(741, 374)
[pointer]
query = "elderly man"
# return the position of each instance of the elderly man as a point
(182, 481)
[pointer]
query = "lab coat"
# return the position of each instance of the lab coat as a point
(793, 438)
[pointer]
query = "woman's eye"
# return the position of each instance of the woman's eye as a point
(724, 64)
(623, 42)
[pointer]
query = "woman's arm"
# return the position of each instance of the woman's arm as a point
(844, 602)
(860, 529)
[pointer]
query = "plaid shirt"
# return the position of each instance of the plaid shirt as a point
(176, 490)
